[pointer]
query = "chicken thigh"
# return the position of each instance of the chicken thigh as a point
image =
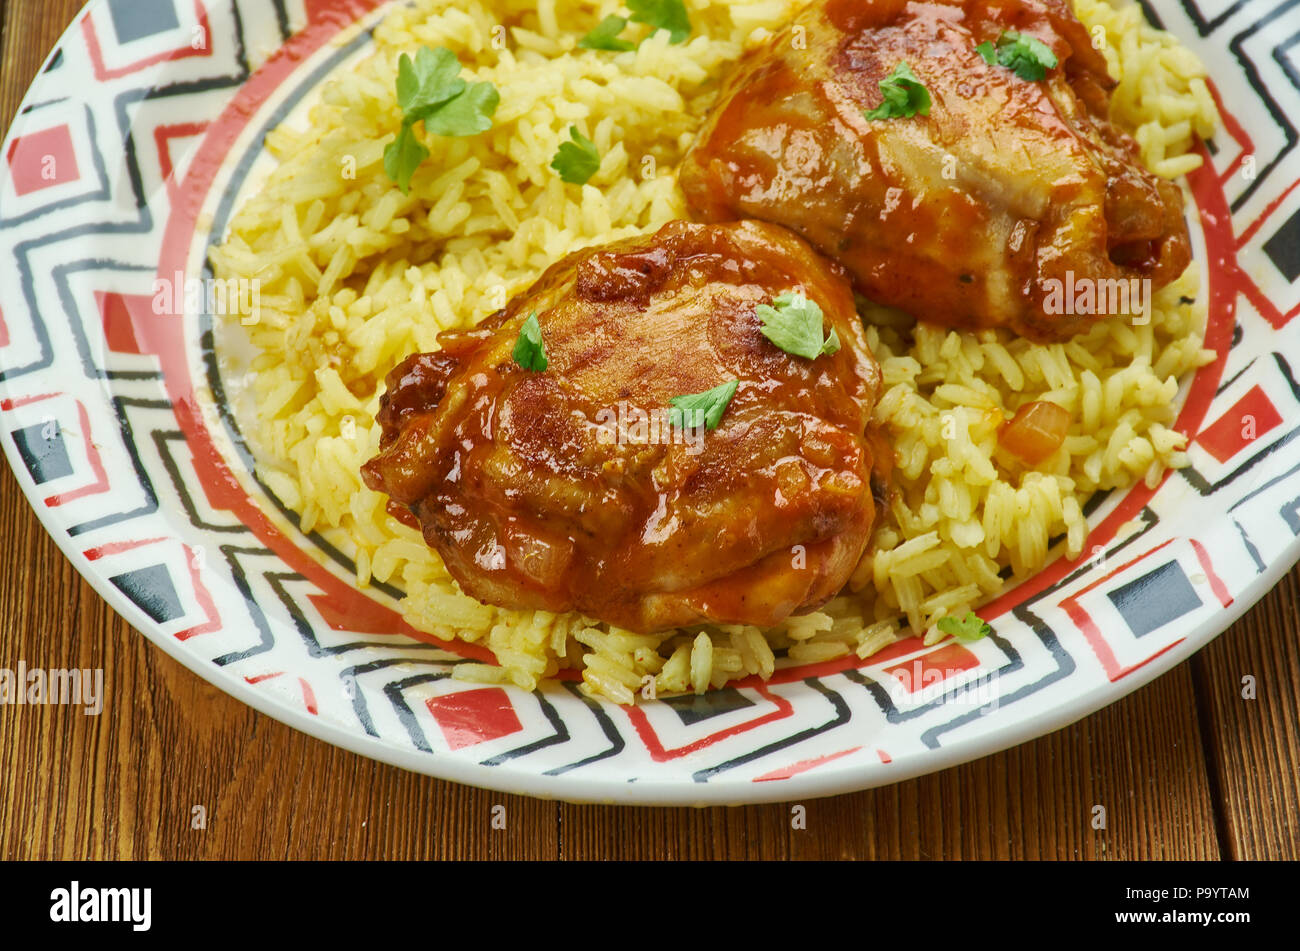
(966, 216)
(562, 483)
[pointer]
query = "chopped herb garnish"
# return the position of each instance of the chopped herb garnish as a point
(428, 81)
(1027, 57)
(467, 114)
(530, 352)
(403, 157)
(688, 412)
(578, 160)
(605, 36)
(667, 15)
(903, 96)
(430, 91)
(969, 628)
(795, 325)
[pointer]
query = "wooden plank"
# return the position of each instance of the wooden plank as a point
(31, 28)
(1255, 743)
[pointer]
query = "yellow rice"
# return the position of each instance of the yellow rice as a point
(355, 276)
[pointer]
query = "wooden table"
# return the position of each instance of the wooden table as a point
(1185, 767)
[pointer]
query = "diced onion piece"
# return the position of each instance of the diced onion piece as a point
(1036, 431)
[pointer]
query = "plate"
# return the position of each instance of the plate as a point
(115, 412)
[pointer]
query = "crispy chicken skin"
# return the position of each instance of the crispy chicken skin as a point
(959, 218)
(520, 481)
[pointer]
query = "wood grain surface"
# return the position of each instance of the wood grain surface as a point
(1185, 767)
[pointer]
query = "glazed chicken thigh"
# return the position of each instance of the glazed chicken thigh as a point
(568, 488)
(965, 216)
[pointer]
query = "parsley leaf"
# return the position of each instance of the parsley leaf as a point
(969, 628)
(530, 352)
(429, 81)
(690, 411)
(467, 114)
(403, 157)
(1027, 57)
(795, 325)
(578, 160)
(903, 96)
(430, 91)
(667, 15)
(605, 36)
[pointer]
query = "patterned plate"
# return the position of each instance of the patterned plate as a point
(127, 157)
